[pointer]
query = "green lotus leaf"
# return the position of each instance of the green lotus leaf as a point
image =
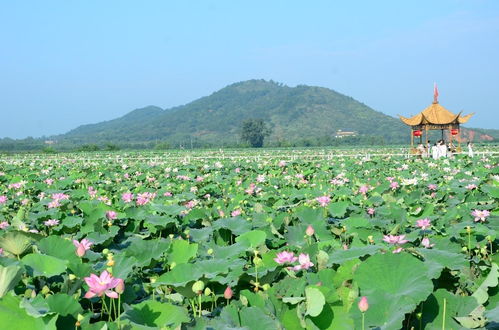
(9, 277)
(16, 242)
(455, 306)
(44, 265)
(13, 316)
(255, 238)
(314, 301)
(181, 251)
(63, 305)
(491, 280)
(58, 247)
(338, 209)
(394, 285)
(155, 314)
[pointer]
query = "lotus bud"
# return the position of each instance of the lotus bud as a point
(120, 287)
(310, 231)
(72, 277)
(363, 304)
(207, 291)
(228, 293)
(198, 287)
(45, 290)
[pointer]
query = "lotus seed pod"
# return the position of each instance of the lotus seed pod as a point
(152, 280)
(110, 269)
(198, 287)
(207, 291)
(210, 252)
(173, 265)
(105, 251)
(72, 277)
(80, 317)
(266, 286)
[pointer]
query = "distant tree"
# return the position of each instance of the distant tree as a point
(162, 146)
(111, 147)
(254, 132)
(88, 147)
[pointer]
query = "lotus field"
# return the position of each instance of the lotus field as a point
(267, 241)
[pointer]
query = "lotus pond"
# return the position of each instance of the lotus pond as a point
(274, 242)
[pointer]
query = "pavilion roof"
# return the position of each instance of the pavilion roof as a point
(435, 114)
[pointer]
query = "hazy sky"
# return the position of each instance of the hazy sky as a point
(67, 63)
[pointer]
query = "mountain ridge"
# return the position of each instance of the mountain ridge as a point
(294, 113)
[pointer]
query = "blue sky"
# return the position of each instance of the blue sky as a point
(67, 63)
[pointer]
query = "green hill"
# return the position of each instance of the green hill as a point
(298, 113)
(301, 115)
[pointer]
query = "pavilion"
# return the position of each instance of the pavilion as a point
(435, 117)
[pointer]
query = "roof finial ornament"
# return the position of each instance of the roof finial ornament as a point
(435, 93)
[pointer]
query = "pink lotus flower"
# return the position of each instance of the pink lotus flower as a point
(397, 250)
(191, 204)
(3, 199)
(393, 239)
(51, 222)
(363, 189)
(426, 243)
(49, 181)
(111, 215)
(310, 231)
(394, 185)
(260, 178)
(99, 285)
(4, 224)
(371, 211)
(471, 186)
(236, 213)
(237, 170)
(480, 215)
(284, 257)
(423, 223)
(363, 304)
(82, 247)
(120, 287)
(323, 200)
(127, 197)
(282, 163)
(221, 213)
(304, 260)
(168, 194)
(432, 187)
(53, 204)
(60, 196)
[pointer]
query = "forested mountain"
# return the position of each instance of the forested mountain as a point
(297, 113)
(297, 116)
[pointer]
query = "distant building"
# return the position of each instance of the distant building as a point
(341, 134)
(50, 141)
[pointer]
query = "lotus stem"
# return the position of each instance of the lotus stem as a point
(443, 318)
(119, 314)
(363, 321)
